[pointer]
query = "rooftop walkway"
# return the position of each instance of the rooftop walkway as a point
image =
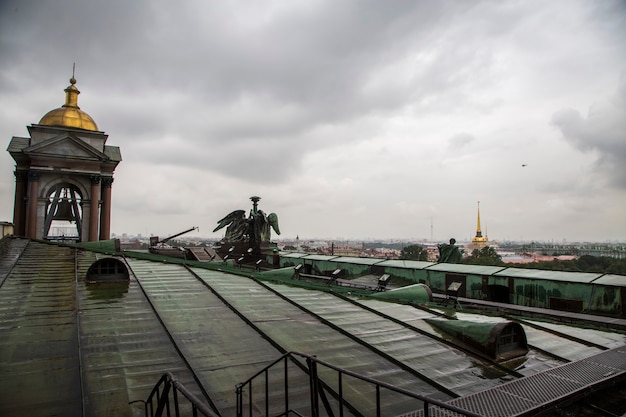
(530, 395)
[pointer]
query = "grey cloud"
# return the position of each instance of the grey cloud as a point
(318, 57)
(461, 140)
(315, 63)
(603, 131)
(255, 161)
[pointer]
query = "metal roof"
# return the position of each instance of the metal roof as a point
(609, 279)
(410, 293)
(113, 152)
(71, 348)
(17, 144)
(584, 277)
(357, 261)
(320, 257)
(465, 269)
(405, 263)
(292, 255)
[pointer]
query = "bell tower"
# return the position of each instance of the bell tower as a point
(63, 176)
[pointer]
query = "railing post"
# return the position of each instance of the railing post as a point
(314, 386)
(175, 395)
(267, 392)
(340, 384)
(163, 399)
(239, 390)
(286, 386)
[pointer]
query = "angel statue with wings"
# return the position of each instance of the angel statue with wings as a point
(255, 228)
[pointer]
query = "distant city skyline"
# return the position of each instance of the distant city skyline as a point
(199, 236)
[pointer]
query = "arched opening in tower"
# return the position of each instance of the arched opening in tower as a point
(64, 214)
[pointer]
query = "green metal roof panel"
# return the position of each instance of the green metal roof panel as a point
(113, 152)
(432, 358)
(123, 338)
(39, 359)
(404, 263)
(357, 261)
(465, 269)
(292, 255)
(11, 248)
(569, 350)
(281, 274)
(212, 321)
(563, 276)
(416, 293)
(17, 144)
(294, 329)
(222, 349)
(319, 257)
(112, 245)
(610, 279)
(478, 331)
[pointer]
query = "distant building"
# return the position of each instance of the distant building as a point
(6, 229)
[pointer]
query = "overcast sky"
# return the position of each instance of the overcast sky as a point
(351, 119)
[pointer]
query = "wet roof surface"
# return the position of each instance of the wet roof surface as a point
(73, 348)
(357, 261)
(608, 279)
(584, 277)
(401, 263)
(466, 269)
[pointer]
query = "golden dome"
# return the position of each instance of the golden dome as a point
(69, 115)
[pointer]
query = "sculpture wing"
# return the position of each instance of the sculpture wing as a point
(235, 215)
(272, 219)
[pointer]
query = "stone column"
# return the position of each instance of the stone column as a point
(31, 210)
(19, 207)
(93, 211)
(105, 212)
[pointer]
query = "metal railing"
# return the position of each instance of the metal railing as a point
(317, 389)
(165, 400)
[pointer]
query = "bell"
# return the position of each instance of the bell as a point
(64, 211)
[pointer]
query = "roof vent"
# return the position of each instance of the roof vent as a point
(412, 294)
(500, 341)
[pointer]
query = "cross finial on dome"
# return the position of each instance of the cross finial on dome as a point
(73, 80)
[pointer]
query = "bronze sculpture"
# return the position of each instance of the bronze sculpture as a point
(255, 229)
(449, 253)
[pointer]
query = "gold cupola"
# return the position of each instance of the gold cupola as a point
(69, 115)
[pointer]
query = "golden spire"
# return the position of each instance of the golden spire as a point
(69, 115)
(478, 232)
(479, 239)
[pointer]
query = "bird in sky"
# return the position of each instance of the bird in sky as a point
(523, 165)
